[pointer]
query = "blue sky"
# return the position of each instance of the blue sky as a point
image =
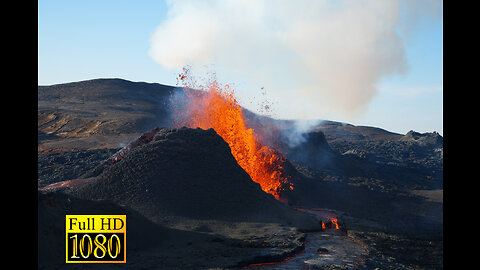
(82, 40)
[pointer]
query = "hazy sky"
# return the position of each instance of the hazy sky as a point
(375, 63)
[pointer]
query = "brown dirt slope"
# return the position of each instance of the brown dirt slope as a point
(100, 113)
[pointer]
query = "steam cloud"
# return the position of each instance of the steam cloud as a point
(315, 56)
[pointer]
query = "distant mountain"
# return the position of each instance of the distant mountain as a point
(100, 113)
(340, 131)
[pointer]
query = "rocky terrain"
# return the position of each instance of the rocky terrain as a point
(98, 114)
(386, 188)
(68, 165)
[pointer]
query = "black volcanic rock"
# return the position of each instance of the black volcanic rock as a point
(314, 151)
(52, 208)
(70, 165)
(430, 138)
(120, 154)
(189, 173)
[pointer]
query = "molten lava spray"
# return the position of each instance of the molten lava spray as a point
(217, 108)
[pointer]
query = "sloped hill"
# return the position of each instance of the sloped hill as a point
(189, 173)
(100, 113)
(342, 131)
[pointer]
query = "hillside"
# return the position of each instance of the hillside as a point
(101, 113)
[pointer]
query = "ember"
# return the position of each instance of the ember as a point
(218, 108)
(322, 250)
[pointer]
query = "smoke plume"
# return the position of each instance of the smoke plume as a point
(314, 56)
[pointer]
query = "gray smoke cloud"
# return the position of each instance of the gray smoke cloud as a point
(313, 56)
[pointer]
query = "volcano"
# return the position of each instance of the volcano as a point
(217, 107)
(189, 173)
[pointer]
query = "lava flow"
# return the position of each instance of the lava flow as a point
(329, 219)
(334, 223)
(217, 108)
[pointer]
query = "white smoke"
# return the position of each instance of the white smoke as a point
(315, 56)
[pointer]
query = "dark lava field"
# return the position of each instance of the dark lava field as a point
(189, 205)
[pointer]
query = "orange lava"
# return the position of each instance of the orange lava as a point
(334, 223)
(217, 108)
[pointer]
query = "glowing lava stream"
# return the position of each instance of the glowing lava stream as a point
(324, 215)
(330, 246)
(218, 108)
